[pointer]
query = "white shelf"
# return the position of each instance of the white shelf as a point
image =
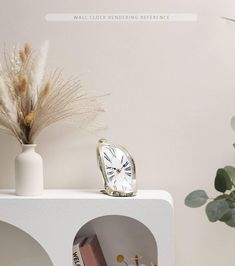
(55, 218)
(87, 194)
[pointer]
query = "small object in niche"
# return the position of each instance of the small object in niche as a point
(137, 259)
(91, 252)
(121, 259)
(117, 168)
(77, 257)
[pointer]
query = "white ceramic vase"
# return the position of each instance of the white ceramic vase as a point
(28, 172)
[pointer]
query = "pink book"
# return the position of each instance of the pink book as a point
(91, 252)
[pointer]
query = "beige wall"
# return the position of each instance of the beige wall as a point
(172, 96)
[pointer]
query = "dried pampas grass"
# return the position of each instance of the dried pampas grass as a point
(30, 102)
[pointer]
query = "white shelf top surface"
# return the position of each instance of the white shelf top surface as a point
(86, 194)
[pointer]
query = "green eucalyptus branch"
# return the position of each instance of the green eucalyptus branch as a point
(221, 208)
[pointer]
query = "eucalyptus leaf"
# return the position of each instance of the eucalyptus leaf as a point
(196, 199)
(231, 221)
(231, 203)
(227, 216)
(216, 209)
(223, 196)
(222, 181)
(230, 170)
(233, 122)
(232, 196)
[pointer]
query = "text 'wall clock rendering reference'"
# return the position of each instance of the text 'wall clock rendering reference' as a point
(117, 168)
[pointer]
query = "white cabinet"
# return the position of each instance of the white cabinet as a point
(140, 225)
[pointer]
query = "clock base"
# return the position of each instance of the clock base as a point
(112, 193)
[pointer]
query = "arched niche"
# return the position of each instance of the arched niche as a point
(19, 248)
(119, 234)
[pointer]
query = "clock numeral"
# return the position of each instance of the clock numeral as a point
(110, 173)
(129, 174)
(115, 184)
(111, 178)
(106, 157)
(128, 168)
(125, 164)
(122, 159)
(128, 181)
(113, 152)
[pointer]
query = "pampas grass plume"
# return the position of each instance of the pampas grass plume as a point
(23, 86)
(29, 103)
(47, 88)
(38, 69)
(27, 49)
(8, 104)
(23, 56)
(28, 120)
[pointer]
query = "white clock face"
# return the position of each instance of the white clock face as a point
(119, 169)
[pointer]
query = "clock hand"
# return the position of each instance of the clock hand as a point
(110, 167)
(124, 165)
(116, 169)
(119, 171)
(121, 168)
